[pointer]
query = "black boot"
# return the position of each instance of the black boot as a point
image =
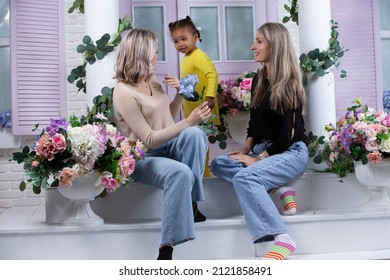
(198, 217)
(165, 253)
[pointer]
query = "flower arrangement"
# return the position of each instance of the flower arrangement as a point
(361, 135)
(5, 119)
(234, 95)
(67, 148)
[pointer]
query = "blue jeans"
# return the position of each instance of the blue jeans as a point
(176, 168)
(253, 183)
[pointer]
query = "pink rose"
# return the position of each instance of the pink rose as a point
(126, 165)
(246, 84)
(67, 175)
(45, 148)
(109, 183)
(59, 142)
(34, 163)
(386, 121)
(374, 157)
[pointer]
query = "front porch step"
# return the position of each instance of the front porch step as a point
(330, 225)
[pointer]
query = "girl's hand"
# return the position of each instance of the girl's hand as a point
(210, 102)
(199, 114)
(171, 81)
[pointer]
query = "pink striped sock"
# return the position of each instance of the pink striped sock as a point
(283, 247)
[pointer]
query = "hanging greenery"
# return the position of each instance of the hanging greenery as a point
(96, 51)
(317, 61)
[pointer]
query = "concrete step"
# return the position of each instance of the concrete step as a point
(331, 224)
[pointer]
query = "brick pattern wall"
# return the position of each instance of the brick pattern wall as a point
(10, 172)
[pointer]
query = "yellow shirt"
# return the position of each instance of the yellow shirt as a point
(198, 63)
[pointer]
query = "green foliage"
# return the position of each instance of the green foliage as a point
(102, 104)
(220, 136)
(316, 61)
(93, 52)
(293, 11)
(77, 5)
(319, 62)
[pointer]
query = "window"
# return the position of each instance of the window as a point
(5, 80)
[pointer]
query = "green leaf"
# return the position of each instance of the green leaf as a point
(317, 159)
(100, 54)
(328, 63)
(55, 183)
(22, 186)
(25, 150)
(212, 139)
(36, 190)
(320, 72)
(106, 91)
(71, 78)
(222, 145)
(87, 40)
(340, 54)
(286, 19)
(90, 48)
(91, 59)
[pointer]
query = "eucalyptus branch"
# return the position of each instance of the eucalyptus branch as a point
(320, 62)
(92, 52)
(293, 11)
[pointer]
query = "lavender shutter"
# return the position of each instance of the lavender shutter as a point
(37, 63)
(358, 33)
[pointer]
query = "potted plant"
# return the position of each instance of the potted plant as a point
(234, 96)
(68, 148)
(361, 136)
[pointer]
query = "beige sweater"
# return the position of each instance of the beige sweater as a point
(147, 118)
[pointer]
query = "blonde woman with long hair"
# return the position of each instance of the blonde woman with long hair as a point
(275, 152)
(176, 156)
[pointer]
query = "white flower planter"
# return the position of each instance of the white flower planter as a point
(237, 126)
(8, 140)
(376, 177)
(57, 207)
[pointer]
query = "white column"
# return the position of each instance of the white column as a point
(101, 16)
(314, 32)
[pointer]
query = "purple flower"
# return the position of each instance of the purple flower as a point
(350, 115)
(55, 125)
(345, 138)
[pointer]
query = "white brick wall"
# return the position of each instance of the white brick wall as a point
(11, 172)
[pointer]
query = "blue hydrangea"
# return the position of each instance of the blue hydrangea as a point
(187, 88)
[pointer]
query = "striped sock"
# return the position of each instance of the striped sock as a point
(283, 247)
(287, 195)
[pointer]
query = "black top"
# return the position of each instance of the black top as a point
(267, 125)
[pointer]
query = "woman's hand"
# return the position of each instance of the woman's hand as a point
(246, 160)
(171, 81)
(199, 114)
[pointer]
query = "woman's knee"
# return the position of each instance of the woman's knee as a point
(182, 177)
(217, 163)
(195, 135)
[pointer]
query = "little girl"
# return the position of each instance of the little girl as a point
(195, 61)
